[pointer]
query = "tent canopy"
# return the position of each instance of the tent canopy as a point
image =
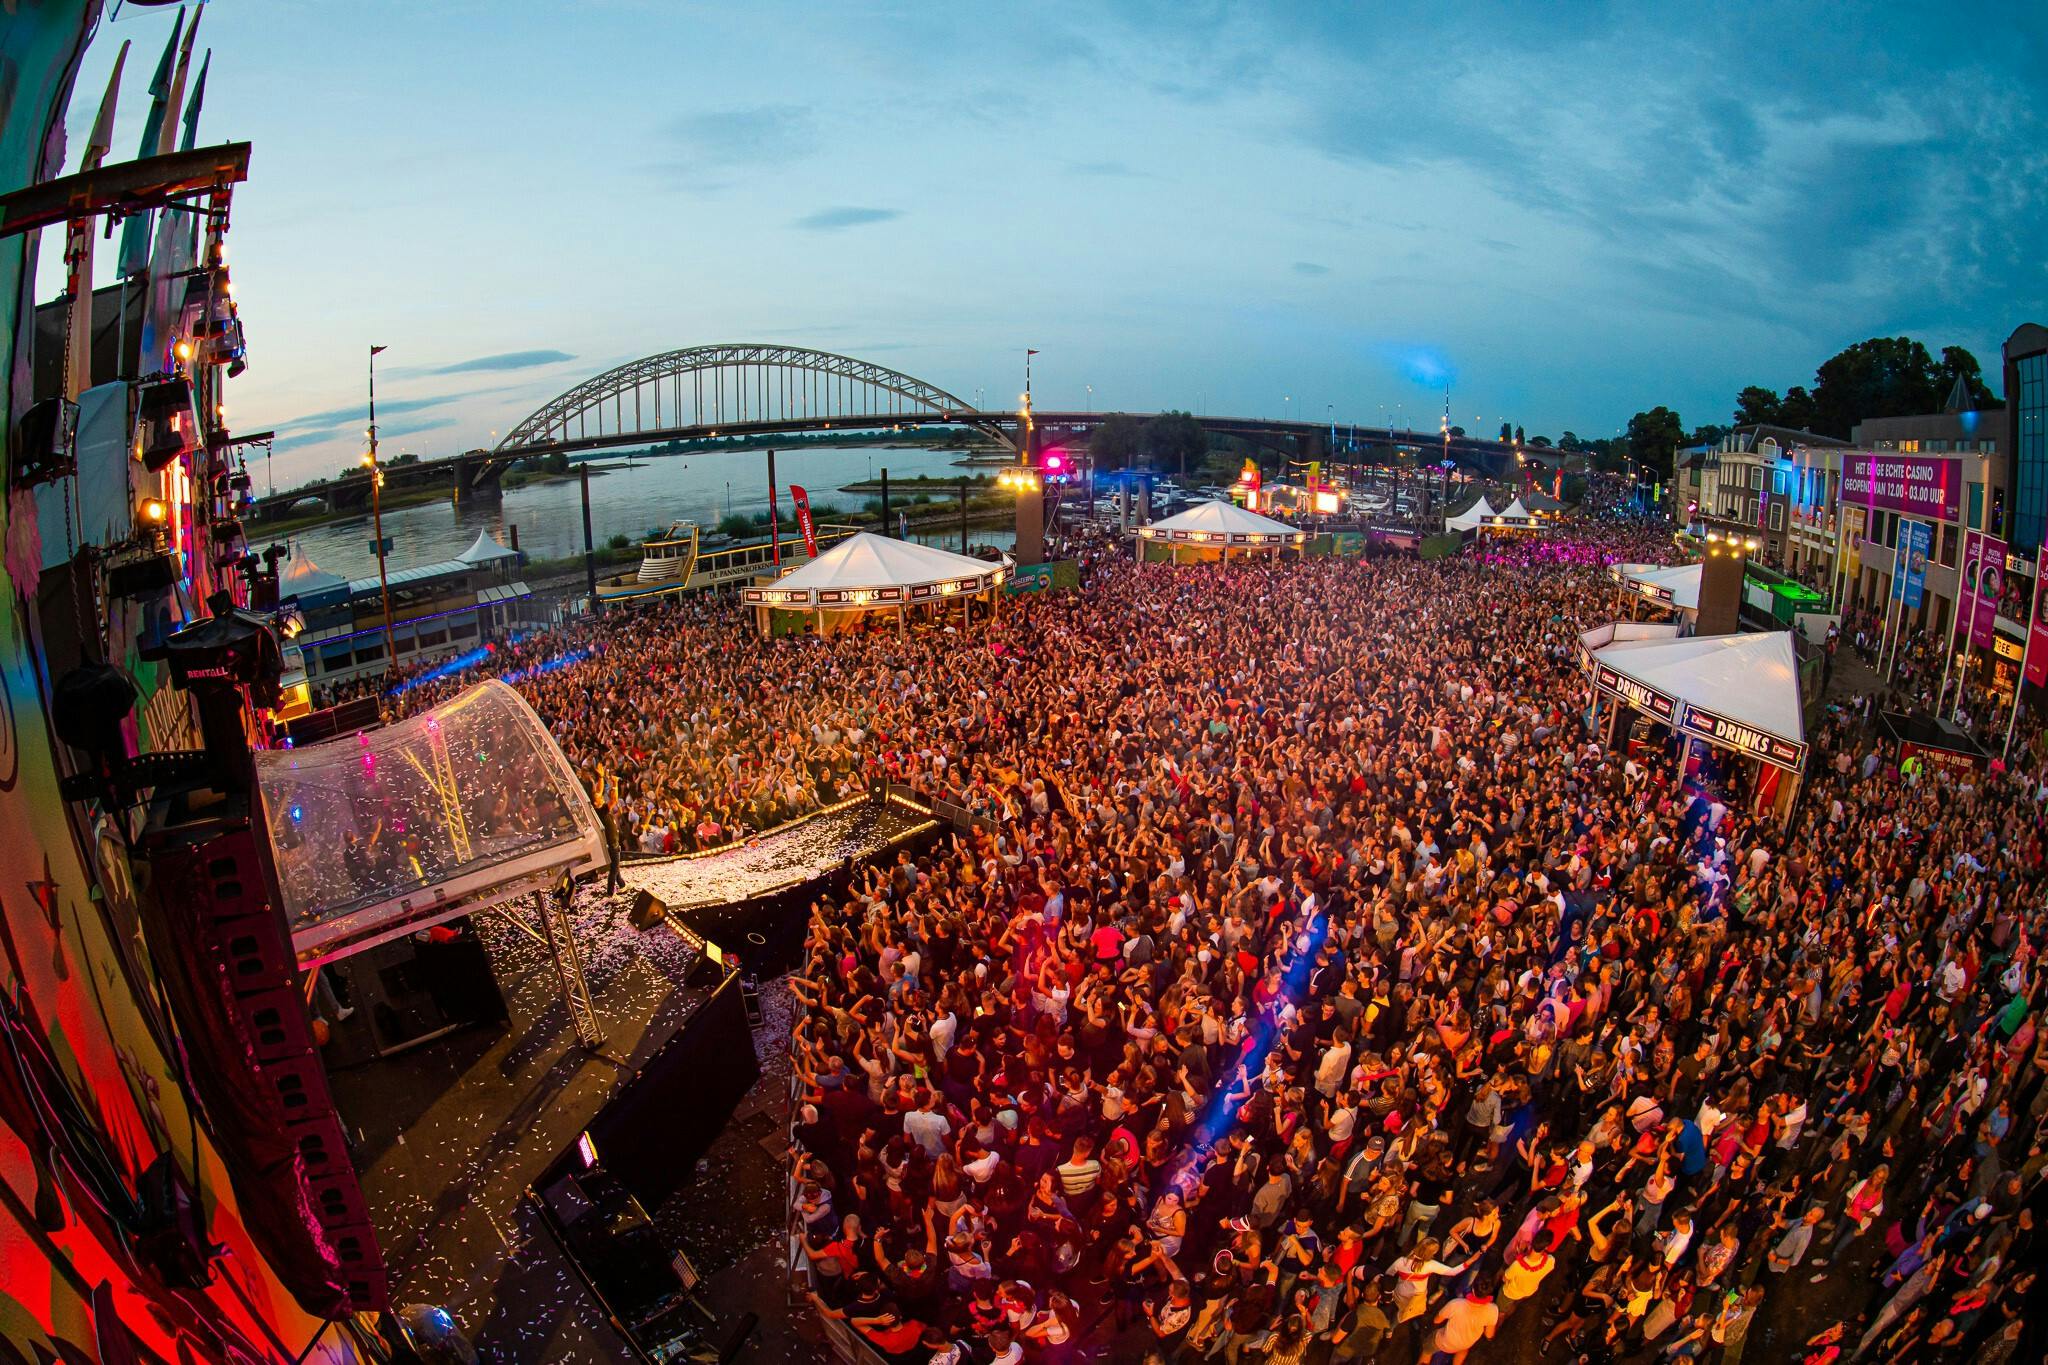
(1741, 691)
(1514, 514)
(867, 570)
(486, 550)
(302, 578)
(1472, 517)
(1222, 524)
(1675, 587)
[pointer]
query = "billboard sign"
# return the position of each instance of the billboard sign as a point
(1918, 485)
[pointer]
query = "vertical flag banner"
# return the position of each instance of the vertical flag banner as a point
(802, 502)
(1909, 584)
(1983, 580)
(2036, 665)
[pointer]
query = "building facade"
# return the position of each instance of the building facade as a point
(2026, 435)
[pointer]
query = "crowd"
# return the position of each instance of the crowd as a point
(1314, 986)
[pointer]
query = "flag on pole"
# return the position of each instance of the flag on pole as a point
(378, 350)
(79, 244)
(135, 234)
(802, 502)
(191, 138)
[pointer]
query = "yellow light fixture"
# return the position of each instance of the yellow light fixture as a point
(153, 511)
(184, 350)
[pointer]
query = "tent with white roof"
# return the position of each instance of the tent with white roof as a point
(485, 550)
(1472, 517)
(1215, 528)
(868, 572)
(1739, 692)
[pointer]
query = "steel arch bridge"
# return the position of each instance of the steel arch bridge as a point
(736, 390)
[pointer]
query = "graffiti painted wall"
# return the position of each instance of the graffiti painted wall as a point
(89, 1102)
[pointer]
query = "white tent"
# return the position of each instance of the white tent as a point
(1737, 691)
(1677, 587)
(302, 579)
(868, 571)
(1223, 525)
(1510, 517)
(1472, 517)
(486, 550)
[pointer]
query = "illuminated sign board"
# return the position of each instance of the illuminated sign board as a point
(1643, 698)
(1921, 485)
(1747, 739)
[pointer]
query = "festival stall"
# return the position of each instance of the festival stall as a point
(1738, 693)
(1675, 589)
(867, 573)
(1214, 530)
(1514, 517)
(1472, 517)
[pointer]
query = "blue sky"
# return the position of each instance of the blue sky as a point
(1571, 212)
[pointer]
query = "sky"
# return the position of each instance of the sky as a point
(1567, 213)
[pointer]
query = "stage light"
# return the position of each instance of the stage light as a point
(153, 511)
(646, 911)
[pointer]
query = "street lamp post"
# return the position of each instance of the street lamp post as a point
(377, 520)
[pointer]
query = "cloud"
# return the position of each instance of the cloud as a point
(336, 419)
(506, 360)
(836, 219)
(706, 150)
(1310, 268)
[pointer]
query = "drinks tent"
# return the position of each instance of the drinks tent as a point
(1213, 530)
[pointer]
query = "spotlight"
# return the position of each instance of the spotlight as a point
(153, 511)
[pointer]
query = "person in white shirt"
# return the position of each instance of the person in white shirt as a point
(927, 1127)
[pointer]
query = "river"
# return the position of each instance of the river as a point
(633, 502)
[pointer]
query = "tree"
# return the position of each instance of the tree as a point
(1796, 411)
(1881, 377)
(1653, 438)
(1173, 439)
(1507, 432)
(1757, 406)
(558, 462)
(1115, 443)
(1518, 435)
(1457, 431)
(1540, 442)
(1570, 444)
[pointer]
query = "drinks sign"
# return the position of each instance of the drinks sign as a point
(1647, 699)
(1733, 734)
(1919, 485)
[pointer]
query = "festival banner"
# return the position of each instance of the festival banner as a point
(2035, 665)
(802, 502)
(1983, 580)
(1909, 567)
(1918, 485)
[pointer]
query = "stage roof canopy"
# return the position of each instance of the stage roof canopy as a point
(1222, 524)
(388, 831)
(867, 571)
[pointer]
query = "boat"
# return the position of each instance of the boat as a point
(670, 557)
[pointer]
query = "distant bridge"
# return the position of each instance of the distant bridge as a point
(706, 392)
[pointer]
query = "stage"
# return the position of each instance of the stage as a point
(449, 1133)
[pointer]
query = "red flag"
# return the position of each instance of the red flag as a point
(802, 502)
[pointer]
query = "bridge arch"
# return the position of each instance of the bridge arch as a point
(734, 389)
